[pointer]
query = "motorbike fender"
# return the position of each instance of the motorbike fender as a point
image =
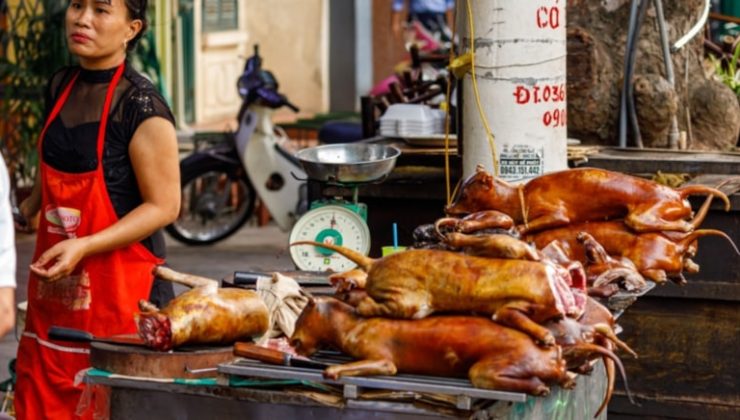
(263, 161)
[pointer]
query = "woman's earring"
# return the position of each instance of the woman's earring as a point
(125, 44)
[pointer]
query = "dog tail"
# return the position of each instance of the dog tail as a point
(691, 237)
(361, 260)
(704, 190)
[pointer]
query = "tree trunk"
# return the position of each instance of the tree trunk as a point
(597, 35)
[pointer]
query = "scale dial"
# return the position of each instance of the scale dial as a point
(328, 224)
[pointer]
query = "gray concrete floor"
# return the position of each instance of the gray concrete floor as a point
(252, 248)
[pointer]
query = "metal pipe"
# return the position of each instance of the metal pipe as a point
(668, 62)
(695, 29)
(631, 111)
(623, 100)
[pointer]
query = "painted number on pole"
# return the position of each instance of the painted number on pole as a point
(550, 93)
(555, 118)
(548, 17)
(537, 94)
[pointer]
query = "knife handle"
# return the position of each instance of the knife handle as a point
(69, 334)
(247, 278)
(263, 354)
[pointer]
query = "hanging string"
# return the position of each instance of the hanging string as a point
(484, 120)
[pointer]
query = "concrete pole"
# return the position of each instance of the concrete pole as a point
(520, 66)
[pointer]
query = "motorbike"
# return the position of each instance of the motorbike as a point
(221, 183)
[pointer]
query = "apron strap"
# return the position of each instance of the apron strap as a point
(106, 111)
(57, 108)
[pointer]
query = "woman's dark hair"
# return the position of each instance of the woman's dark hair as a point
(137, 10)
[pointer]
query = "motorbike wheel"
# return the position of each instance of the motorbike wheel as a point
(217, 199)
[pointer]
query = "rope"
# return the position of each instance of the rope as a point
(484, 120)
(523, 205)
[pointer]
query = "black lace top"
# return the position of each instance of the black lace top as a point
(70, 142)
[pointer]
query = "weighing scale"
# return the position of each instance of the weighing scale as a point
(338, 221)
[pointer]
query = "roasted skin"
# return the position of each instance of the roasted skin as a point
(602, 269)
(492, 356)
(206, 314)
(493, 245)
(486, 219)
(416, 283)
(580, 195)
(657, 256)
(348, 280)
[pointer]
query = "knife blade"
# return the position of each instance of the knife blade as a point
(275, 357)
(80, 336)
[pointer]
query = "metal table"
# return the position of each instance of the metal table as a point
(349, 398)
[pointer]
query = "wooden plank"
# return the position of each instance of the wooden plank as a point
(680, 408)
(652, 160)
(687, 349)
(694, 289)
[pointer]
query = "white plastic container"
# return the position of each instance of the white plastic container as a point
(521, 74)
(401, 120)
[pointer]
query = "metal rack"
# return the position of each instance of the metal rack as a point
(462, 389)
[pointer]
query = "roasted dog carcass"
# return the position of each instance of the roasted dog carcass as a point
(491, 355)
(581, 195)
(417, 283)
(206, 314)
(656, 255)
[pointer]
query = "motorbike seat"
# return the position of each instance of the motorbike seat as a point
(333, 132)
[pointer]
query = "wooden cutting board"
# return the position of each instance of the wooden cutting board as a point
(143, 362)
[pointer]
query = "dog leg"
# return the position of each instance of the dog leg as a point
(361, 368)
(515, 318)
(410, 305)
(488, 374)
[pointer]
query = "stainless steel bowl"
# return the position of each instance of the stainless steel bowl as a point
(349, 163)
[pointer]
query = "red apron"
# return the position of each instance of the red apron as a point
(101, 295)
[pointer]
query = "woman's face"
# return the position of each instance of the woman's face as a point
(98, 30)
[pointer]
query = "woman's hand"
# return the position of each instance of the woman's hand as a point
(60, 260)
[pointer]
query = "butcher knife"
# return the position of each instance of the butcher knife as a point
(275, 357)
(79, 336)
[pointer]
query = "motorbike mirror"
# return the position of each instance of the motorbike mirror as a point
(291, 106)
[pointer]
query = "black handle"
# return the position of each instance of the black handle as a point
(247, 278)
(311, 364)
(70, 334)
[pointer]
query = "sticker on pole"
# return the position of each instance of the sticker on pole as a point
(521, 161)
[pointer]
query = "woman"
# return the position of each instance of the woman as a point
(109, 180)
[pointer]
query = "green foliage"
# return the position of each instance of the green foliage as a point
(34, 47)
(728, 72)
